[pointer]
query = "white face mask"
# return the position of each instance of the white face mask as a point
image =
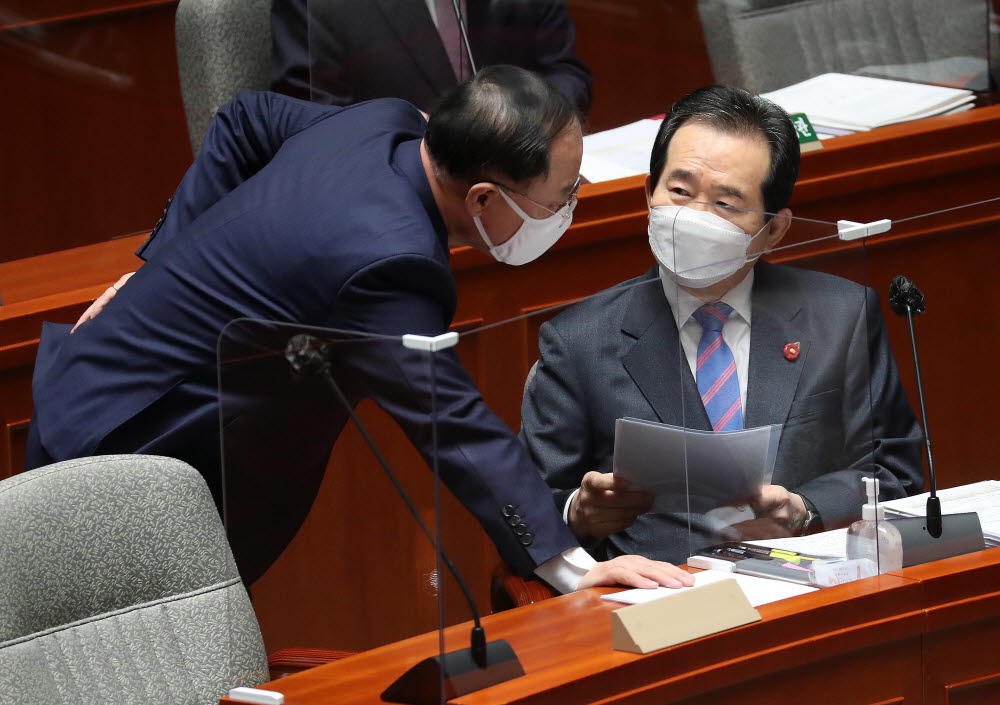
(696, 247)
(534, 237)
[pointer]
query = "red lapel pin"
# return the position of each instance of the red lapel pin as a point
(792, 351)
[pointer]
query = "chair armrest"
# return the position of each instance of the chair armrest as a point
(508, 590)
(285, 662)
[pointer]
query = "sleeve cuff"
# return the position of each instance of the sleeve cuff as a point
(569, 501)
(565, 571)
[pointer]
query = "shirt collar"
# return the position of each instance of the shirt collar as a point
(407, 161)
(683, 303)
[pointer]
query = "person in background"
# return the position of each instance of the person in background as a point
(340, 52)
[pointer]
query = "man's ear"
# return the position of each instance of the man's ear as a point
(649, 189)
(479, 196)
(779, 226)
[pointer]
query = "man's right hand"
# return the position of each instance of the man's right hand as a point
(605, 505)
(102, 301)
(637, 572)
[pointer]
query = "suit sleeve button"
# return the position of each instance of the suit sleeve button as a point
(514, 520)
(526, 540)
(509, 510)
(520, 529)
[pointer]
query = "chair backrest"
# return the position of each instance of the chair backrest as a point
(223, 47)
(117, 586)
(763, 45)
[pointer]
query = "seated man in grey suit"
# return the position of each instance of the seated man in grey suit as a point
(732, 158)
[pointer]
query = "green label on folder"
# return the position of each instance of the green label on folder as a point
(808, 139)
(803, 128)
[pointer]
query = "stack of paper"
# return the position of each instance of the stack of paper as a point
(843, 102)
(980, 497)
(623, 151)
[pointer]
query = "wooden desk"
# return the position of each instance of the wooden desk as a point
(894, 172)
(926, 634)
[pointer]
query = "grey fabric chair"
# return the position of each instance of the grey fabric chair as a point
(117, 586)
(223, 47)
(763, 45)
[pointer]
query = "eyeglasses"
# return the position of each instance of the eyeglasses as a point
(574, 194)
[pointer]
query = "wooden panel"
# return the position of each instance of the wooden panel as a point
(98, 142)
(981, 691)
(644, 54)
(22, 13)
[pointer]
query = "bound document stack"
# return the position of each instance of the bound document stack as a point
(838, 103)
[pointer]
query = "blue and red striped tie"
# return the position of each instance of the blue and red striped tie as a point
(718, 382)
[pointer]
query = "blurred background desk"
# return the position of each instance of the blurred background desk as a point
(924, 635)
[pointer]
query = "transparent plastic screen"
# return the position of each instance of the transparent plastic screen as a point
(790, 396)
(323, 432)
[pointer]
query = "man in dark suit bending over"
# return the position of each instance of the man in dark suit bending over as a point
(341, 218)
(723, 160)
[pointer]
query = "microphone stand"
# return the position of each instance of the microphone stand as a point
(933, 503)
(944, 536)
(447, 675)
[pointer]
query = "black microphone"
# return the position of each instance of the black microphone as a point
(481, 665)
(906, 299)
(935, 536)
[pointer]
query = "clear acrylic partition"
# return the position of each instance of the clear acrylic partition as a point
(318, 425)
(787, 419)
(766, 46)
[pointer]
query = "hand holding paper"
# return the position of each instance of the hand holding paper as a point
(605, 505)
(784, 508)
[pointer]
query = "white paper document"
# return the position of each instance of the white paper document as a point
(619, 152)
(759, 591)
(850, 102)
(677, 463)
(980, 497)
(827, 543)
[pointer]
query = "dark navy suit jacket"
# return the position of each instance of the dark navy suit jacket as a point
(346, 51)
(311, 215)
(843, 409)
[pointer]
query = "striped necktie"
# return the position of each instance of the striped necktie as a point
(718, 382)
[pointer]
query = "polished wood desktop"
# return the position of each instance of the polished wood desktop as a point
(894, 172)
(922, 635)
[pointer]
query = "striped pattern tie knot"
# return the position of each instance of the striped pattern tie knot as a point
(718, 382)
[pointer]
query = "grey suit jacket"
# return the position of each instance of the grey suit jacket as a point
(843, 409)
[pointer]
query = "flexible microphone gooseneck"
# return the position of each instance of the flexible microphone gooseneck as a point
(907, 300)
(492, 662)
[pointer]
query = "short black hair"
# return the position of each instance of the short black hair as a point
(738, 112)
(500, 122)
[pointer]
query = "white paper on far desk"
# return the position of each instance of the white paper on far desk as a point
(759, 591)
(674, 462)
(862, 102)
(619, 152)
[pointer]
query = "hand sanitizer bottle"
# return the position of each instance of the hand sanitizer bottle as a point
(872, 536)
